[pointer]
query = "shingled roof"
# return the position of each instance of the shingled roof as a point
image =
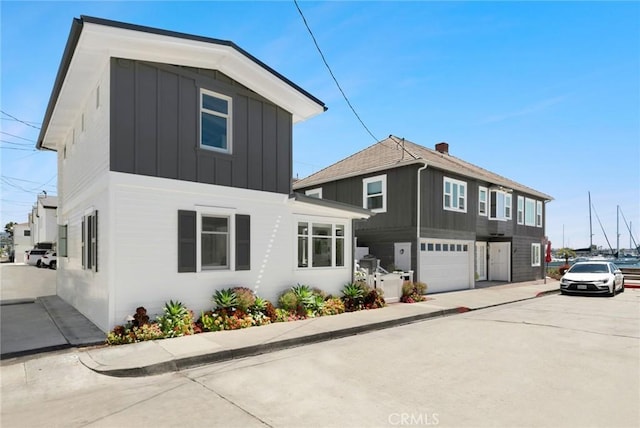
(394, 152)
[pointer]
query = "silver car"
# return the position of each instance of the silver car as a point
(593, 277)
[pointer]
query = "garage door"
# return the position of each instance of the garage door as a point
(446, 265)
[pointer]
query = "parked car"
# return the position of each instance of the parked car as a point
(49, 260)
(592, 277)
(34, 255)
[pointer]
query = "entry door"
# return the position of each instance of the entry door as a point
(500, 261)
(481, 261)
(402, 255)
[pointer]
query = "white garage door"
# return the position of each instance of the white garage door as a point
(446, 265)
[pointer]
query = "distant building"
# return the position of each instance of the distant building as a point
(21, 241)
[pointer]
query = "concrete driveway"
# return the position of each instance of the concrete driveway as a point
(33, 318)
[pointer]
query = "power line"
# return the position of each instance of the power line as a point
(331, 72)
(18, 120)
(17, 136)
(16, 144)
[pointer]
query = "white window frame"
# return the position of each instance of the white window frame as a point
(227, 116)
(335, 239)
(483, 191)
(520, 213)
(538, 213)
(314, 193)
(461, 195)
(366, 196)
(508, 206)
(230, 241)
(536, 255)
(529, 212)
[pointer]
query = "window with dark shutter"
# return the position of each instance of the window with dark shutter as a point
(186, 241)
(243, 242)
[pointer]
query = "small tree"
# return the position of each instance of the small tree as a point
(566, 253)
(9, 228)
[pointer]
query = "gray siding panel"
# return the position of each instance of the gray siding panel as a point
(269, 148)
(168, 125)
(187, 129)
(155, 129)
(122, 130)
(146, 119)
(254, 132)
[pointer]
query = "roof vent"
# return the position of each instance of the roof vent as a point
(443, 148)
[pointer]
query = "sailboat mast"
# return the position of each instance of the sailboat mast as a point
(617, 231)
(590, 227)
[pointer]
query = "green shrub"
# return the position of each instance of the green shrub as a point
(353, 297)
(288, 301)
(333, 306)
(245, 298)
(176, 321)
(413, 292)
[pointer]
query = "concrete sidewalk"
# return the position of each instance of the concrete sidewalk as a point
(161, 356)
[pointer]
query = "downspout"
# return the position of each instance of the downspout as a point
(418, 202)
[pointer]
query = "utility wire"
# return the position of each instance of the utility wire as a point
(17, 136)
(21, 121)
(331, 72)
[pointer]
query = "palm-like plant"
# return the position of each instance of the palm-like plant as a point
(225, 299)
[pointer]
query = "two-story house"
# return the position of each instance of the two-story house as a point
(43, 222)
(174, 175)
(451, 222)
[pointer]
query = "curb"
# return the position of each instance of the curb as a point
(253, 350)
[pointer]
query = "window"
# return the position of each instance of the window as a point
(520, 210)
(529, 212)
(214, 243)
(535, 254)
(539, 213)
(216, 235)
(215, 121)
(455, 195)
(500, 205)
(482, 201)
(27, 233)
(90, 241)
(320, 245)
(62, 240)
(314, 193)
(374, 193)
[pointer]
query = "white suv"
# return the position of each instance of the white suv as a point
(49, 260)
(34, 255)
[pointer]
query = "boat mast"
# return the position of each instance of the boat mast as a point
(590, 228)
(617, 231)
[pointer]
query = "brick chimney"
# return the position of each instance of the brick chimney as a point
(443, 148)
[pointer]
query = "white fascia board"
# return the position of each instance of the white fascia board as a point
(304, 208)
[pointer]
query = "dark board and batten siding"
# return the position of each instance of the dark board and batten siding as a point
(155, 129)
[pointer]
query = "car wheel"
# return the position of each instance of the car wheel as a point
(622, 289)
(613, 290)
(38, 263)
(52, 265)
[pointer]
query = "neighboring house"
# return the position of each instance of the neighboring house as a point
(43, 222)
(449, 221)
(174, 175)
(21, 241)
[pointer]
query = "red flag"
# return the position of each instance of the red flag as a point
(548, 256)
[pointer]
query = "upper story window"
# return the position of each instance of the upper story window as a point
(374, 193)
(215, 121)
(520, 213)
(500, 205)
(482, 201)
(539, 213)
(314, 193)
(529, 212)
(455, 195)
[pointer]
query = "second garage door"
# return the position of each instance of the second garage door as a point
(446, 265)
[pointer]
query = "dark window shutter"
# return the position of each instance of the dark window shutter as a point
(243, 242)
(95, 241)
(84, 246)
(186, 241)
(493, 205)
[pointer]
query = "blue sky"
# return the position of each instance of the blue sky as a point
(544, 93)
